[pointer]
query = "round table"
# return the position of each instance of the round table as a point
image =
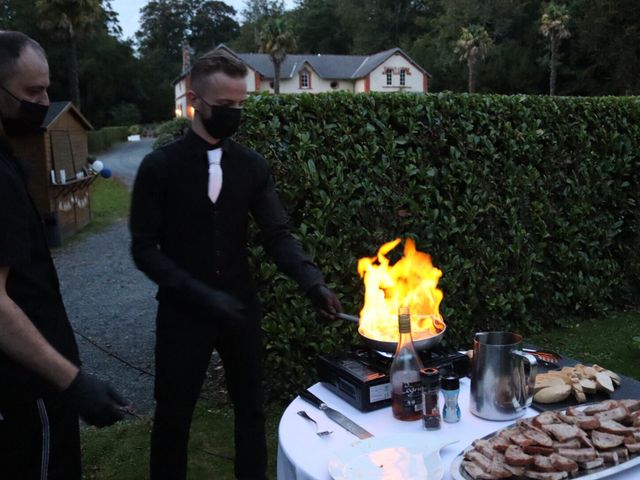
(302, 455)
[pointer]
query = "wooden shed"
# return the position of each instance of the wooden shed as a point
(60, 175)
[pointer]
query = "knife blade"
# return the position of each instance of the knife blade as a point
(349, 425)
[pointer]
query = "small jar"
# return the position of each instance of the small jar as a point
(430, 394)
(450, 386)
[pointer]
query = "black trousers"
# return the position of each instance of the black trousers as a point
(184, 343)
(39, 440)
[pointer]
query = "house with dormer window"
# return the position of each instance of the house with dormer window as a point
(388, 71)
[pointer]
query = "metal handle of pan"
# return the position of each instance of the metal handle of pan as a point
(351, 318)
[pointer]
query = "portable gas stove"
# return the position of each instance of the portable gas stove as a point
(361, 376)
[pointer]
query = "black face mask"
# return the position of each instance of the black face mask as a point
(223, 122)
(29, 120)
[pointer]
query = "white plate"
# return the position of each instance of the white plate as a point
(410, 456)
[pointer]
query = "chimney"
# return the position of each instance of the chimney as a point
(187, 51)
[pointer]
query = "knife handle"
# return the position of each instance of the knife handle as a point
(311, 398)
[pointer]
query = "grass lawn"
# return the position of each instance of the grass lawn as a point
(110, 201)
(607, 341)
(121, 452)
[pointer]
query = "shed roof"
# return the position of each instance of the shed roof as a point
(56, 109)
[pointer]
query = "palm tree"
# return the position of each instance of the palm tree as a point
(276, 39)
(473, 46)
(553, 26)
(71, 20)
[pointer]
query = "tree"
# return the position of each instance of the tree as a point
(511, 67)
(256, 10)
(111, 75)
(318, 28)
(604, 58)
(164, 26)
(472, 46)
(381, 24)
(71, 21)
(276, 39)
(210, 24)
(553, 26)
(255, 14)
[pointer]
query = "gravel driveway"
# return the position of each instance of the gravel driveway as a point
(110, 303)
(124, 158)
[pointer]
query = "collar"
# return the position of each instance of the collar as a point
(200, 145)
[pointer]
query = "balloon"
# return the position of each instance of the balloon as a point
(97, 166)
(105, 172)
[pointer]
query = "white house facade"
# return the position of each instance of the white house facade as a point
(388, 71)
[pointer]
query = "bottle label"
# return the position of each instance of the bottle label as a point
(380, 393)
(412, 396)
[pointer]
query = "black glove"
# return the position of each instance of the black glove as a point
(96, 401)
(215, 302)
(324, 301)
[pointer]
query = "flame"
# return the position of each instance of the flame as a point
(412, 281)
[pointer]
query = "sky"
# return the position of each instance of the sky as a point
(129, 12)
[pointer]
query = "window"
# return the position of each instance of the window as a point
(305, 79)
(403, 78)
(389, 77)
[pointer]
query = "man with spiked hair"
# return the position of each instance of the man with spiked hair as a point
(190, 211)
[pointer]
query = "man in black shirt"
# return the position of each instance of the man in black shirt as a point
(42, 389)
(190, 209)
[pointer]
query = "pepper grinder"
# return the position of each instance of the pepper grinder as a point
(450, 386)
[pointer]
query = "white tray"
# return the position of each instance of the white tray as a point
(458, 473)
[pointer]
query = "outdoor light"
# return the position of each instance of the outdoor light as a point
(97, 166)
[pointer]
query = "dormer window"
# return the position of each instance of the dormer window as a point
(305, 79)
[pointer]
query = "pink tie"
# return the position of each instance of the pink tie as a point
(215, 173)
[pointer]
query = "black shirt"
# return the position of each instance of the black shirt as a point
(32, 282)
(179, 234)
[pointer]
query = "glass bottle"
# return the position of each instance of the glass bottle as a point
(430, 394)
(406, 385)
(450, 386)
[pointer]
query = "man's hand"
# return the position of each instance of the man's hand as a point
(225, 305)
(214, 302)
(324, 301)
(97, 402)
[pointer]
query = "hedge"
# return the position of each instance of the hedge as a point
(100, 140)
(169, 131)
(528, 204)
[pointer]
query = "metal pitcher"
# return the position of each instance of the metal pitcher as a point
(501, 385)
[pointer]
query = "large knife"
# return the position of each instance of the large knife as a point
(336, 416)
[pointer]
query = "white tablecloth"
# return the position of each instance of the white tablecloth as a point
(302, 455)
